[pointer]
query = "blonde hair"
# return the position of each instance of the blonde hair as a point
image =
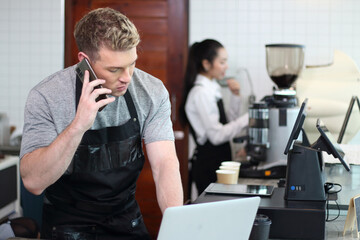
(105, 27)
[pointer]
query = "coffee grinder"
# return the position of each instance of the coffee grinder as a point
(272, 119)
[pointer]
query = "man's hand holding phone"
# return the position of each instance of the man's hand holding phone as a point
(88, 106)
(83, 66)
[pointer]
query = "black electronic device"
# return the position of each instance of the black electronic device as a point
(347, 117)
(305, 177)
(299, 122)
(326, 142)
(305, 168)
(240, 189)
(80, 71)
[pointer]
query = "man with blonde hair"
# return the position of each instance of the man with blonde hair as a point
(85, 152)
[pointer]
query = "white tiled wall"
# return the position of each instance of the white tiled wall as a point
(31, 38)
(31, 47)
(246, 26)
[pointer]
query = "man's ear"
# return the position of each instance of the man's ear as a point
(81, 56)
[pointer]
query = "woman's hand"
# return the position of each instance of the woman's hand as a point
(234, 86)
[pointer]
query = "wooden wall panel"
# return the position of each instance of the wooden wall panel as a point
(154, 27)
(177, 57)
(136, 8)
(153, 43)
(151, 60)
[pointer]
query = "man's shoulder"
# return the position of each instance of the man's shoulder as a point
(146, 79)
(60, 80)
(147, 85)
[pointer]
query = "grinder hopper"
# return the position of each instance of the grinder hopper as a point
(284, 63)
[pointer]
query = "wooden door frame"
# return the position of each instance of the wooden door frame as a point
(177, 56)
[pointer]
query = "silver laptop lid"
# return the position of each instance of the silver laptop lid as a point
(230, 219)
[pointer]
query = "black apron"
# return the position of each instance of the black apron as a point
(97, 199)
(208, 157)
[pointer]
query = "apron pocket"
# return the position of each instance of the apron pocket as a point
(135, 222)
(129, 221)
(103, 157)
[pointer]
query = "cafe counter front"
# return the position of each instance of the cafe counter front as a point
(292, 219)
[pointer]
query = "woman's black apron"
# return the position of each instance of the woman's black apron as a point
(208, 157)
(97, 199)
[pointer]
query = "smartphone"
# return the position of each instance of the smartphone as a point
(80, 71)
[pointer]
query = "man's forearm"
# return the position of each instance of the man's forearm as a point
(44, 166)
(165, 170)
(169, 190)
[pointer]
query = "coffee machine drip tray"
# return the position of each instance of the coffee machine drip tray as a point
(250, 171)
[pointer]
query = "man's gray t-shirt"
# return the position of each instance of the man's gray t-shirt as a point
(50, 108)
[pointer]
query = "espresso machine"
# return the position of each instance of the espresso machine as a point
(271, 120)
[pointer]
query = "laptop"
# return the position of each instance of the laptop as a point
(230, 219)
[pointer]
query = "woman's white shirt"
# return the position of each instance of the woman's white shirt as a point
(203, 113)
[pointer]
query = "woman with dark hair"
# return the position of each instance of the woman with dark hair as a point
(203, 109)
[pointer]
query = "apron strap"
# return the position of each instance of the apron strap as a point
(223, 118)
(130, 104)
(77, 91)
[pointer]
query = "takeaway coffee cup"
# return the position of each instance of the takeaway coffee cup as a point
(234, 165)
(261, 228)
(225, 176)
(235, 180)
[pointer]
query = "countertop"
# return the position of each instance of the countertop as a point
(333, 229)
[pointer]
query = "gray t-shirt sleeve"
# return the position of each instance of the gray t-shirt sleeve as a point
(49, 109)
(39, 130)
(158, 125)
